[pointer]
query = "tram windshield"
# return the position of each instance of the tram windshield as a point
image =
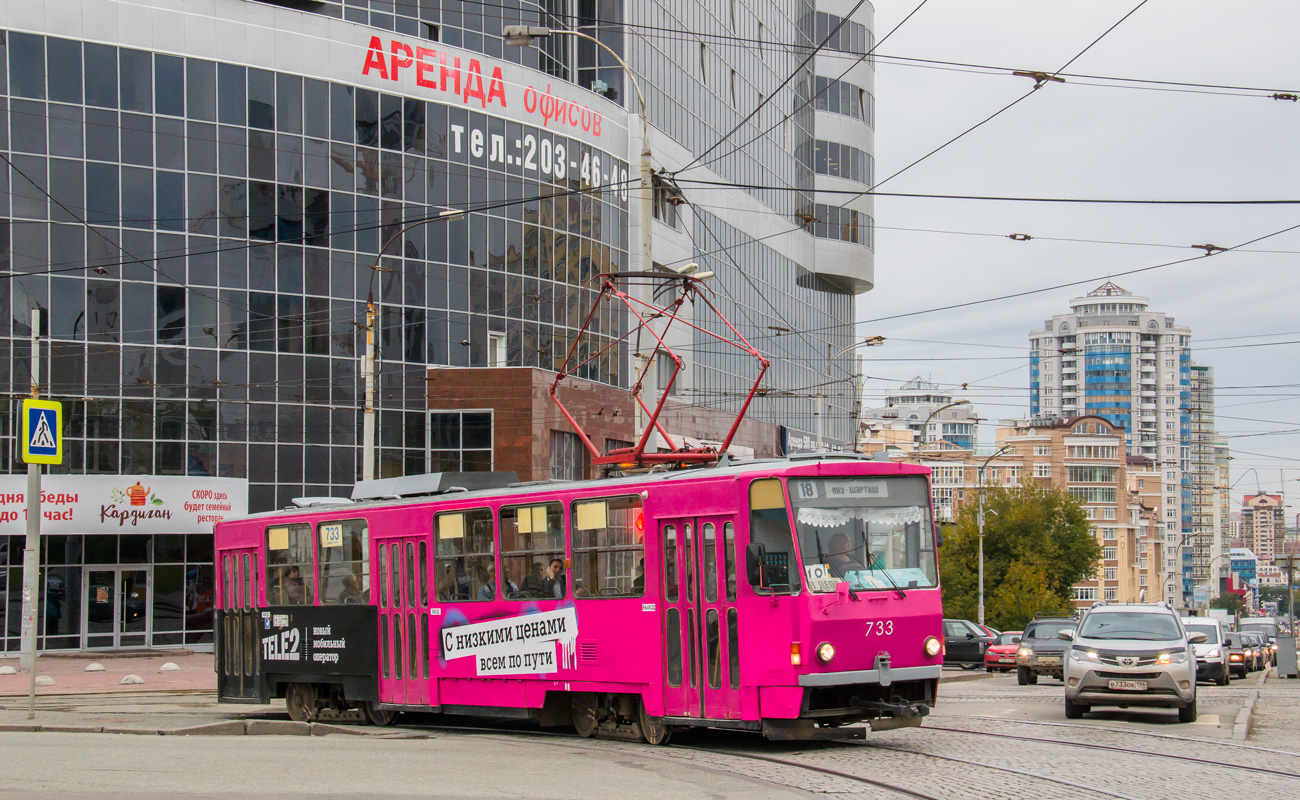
(874, 533)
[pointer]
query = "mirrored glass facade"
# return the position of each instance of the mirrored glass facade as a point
(202, 238)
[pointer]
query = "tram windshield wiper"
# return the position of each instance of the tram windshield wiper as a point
(877, 560)
(842, 576)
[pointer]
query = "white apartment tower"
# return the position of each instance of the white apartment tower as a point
(1114, 357)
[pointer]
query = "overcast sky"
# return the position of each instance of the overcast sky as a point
(1082, 140)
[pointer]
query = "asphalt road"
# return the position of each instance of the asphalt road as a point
(988, 736)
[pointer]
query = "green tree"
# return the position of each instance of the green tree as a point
(1278, 593)
(1232, 602)
(1023, 592)
(1043, 530)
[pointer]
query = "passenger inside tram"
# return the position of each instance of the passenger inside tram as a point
(351, 590)
(553, 581)
(294, 589)
(841, 559)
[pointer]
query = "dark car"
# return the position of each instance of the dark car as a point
(1255, 645)
(964, 643)
(1041, 651)
(1236, 654)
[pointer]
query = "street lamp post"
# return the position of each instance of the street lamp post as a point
(870, 341)
(980, 478)
(522, 36)
(1178, 549)
(925, 426)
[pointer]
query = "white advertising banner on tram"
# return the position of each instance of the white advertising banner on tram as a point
(513, 645)
(72, 504)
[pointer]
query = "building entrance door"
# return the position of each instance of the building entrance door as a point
(117, 607)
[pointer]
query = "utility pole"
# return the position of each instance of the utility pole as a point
(32, 551)
(980, 477)
(368, 417)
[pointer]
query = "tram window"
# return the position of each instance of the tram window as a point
(342, 548)
(729, 557)
(690, 642)
(711, 640)
(397, 646)
(608, 548)
(384, 646)
(674, 641)
(410, 574)
(670, 567)
(395, 573)
(709, 532)
(227, 598)
(688, 563)
(290, 572)
(733, 649)
(423, 575)
(463, 555)
(248, 582)
(532, 539)
(772, 568)
(382, 572)
(411, 642)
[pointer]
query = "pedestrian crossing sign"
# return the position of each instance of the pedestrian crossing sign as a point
(42, 432)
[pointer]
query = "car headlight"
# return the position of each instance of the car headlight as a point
(1084, 655)
(1249, 652)
(1172, 658)
(1024, 652)
(932, 646)
(825, 652)
(1213, 653)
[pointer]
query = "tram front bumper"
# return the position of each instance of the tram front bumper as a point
(883, 675)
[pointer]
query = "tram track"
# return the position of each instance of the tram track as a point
(1125, 750)
(1122, 731)
(561, 739)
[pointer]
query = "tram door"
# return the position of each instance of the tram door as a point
(401, 566)
(238, 656)
(702, 665)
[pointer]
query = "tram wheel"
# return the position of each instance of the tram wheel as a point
(584, 714)
(378, 716)
(654, 731)
(300, 701)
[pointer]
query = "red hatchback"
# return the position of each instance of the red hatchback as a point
(1001, 654)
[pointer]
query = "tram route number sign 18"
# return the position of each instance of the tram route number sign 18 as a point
(42, 439)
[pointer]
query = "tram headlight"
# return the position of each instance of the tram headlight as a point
(825, 652)
(932, 646)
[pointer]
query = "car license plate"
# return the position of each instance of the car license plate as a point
(1049, 662)
(1130, 686)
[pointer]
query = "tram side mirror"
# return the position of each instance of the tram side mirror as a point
(755, 555)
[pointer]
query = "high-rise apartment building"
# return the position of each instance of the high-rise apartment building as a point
(206, 200)
(1263, 525)
(1203, 469)
(930, 413)
(1114, 357)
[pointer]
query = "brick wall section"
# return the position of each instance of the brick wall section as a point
(524, 415)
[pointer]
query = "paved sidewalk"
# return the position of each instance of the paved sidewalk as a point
(70, 676)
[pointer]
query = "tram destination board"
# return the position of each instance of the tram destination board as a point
(319, 640)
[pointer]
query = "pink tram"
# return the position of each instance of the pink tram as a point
(791, 597)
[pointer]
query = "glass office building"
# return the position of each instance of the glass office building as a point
(204, 200)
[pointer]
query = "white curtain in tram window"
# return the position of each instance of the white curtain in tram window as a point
(835, 517)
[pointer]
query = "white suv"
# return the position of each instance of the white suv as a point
(1212, 654)
(1131, 655)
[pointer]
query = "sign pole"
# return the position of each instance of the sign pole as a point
(32, 552)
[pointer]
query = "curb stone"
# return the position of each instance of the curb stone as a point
(1241, 726)
(234, 727)
(270, 727)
